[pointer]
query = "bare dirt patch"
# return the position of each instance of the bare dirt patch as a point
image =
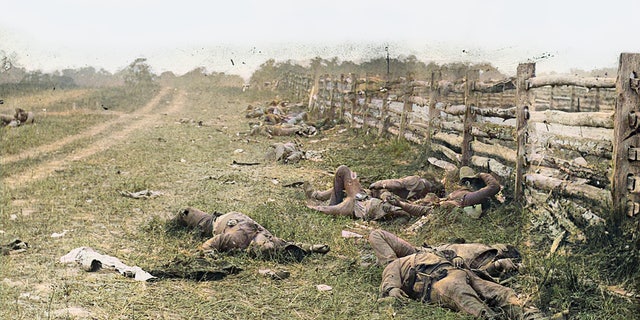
(141, 118)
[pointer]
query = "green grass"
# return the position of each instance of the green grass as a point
(48, 129)
(191, 165)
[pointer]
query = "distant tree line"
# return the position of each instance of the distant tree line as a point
(403, 66)
(138, 75)
(200, 77)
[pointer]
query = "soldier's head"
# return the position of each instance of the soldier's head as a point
(466, 174)
(436, 187)
(469, 179)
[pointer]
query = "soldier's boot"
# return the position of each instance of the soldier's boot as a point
(194, 218)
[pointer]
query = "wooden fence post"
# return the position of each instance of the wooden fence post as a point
(323, 97)
(467, 137)
(339, 97)
(525, 71)
(354, 97)
(366, 103)
(625, 184)
(573, 99)
(407, 106)
(383, 122)
(332, 108)
(433, 99)
(294, 86)
(313, 92)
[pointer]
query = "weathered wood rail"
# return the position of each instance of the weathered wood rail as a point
(556, 141)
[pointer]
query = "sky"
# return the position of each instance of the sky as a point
(236, 37)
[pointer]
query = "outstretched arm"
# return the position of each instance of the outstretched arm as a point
(491, 189)
(412, 209)
(228, 241)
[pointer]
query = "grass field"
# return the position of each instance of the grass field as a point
(67, 171)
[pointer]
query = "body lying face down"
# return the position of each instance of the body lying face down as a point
(235, 231)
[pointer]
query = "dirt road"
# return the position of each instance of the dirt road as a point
(129, 122)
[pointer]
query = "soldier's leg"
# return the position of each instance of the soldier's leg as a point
(388, 247)
(455, 293)
(496, 295)
(341, 178)
(316, 195)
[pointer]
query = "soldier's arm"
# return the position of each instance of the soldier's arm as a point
(228, 241)
(213, 243)
(491, 189)
(413, 209)
(391, 278)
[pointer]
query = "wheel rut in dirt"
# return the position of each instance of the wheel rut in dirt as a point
(141, 118)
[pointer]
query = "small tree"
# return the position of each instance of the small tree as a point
(138, 74)
(265, 74)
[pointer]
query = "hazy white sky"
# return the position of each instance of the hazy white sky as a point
(182, 35)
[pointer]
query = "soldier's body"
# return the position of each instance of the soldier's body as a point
(496, 259)
(235, 231)
(473, 196)
(431, 277)
(283, 129)
(409, 188)
(19, 118)
(348, 198)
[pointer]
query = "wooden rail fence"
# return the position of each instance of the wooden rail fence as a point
(566, 145)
